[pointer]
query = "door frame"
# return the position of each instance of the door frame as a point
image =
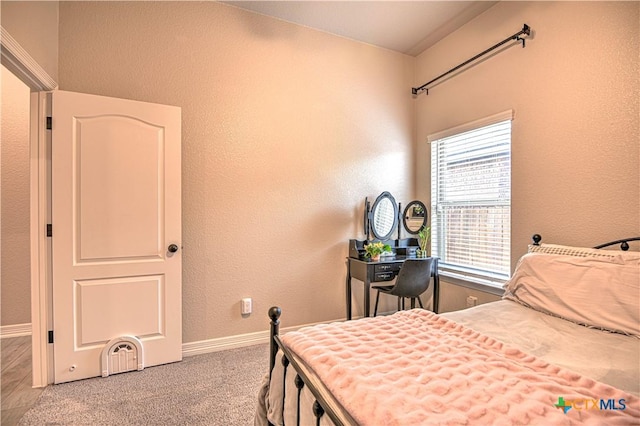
(17, 60)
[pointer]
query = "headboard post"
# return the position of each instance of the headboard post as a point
(536, 239)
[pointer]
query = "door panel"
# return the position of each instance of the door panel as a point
(112, 177)
(115, 210)
(119, 306)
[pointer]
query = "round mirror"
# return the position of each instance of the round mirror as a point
(415, 216)
(384, 216)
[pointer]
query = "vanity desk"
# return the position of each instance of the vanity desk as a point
(381, 221)
(385, 269)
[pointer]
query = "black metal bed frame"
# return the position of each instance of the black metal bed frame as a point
(321, 406)
(624, 243)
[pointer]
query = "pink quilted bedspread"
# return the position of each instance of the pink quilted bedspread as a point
(416, 368)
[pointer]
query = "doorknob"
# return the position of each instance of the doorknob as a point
(172, 248)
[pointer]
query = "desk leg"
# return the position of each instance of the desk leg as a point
(436, 292)
(367, 301)
(348, 286)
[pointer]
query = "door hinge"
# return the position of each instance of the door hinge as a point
(50, 336)
(49, 230)
(49, 123)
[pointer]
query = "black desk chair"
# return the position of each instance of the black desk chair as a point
(413, 279)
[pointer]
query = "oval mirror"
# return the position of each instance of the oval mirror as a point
(384, 216)
(415, 216)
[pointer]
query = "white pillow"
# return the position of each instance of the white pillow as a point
(618, 256)
(592, 291)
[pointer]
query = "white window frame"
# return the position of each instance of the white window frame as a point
(462, 274)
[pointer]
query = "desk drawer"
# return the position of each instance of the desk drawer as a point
(387, 267)
(383, 276)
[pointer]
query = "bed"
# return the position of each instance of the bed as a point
(561, 347)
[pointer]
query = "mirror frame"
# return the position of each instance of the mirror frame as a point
(366, 216)
(424, 221)
(384, 196)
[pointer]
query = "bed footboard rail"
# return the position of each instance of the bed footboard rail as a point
(320, 406)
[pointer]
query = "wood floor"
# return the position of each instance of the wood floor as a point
(17, 394)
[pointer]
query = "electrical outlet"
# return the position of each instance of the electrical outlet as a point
(246, 305)
(471, 301)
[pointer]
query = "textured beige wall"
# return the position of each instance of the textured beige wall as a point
(285, 131)
(34, 24)
(575, 90)
(454, 297)
(15, 290)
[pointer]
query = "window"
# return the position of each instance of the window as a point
(471, 199)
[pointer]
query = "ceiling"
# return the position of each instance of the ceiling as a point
(404, 26)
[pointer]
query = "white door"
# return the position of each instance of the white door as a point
(116, 212)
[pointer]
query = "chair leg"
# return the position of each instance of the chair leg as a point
(375, 309)
(420, 302)
(399, 302)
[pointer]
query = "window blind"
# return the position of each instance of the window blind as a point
(471, 199)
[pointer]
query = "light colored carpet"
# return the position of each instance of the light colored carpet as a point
(218, 388)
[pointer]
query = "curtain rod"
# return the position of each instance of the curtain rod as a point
(526, 30)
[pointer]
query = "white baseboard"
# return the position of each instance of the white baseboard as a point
(15, 330)
(232, 342)
(223, 343)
